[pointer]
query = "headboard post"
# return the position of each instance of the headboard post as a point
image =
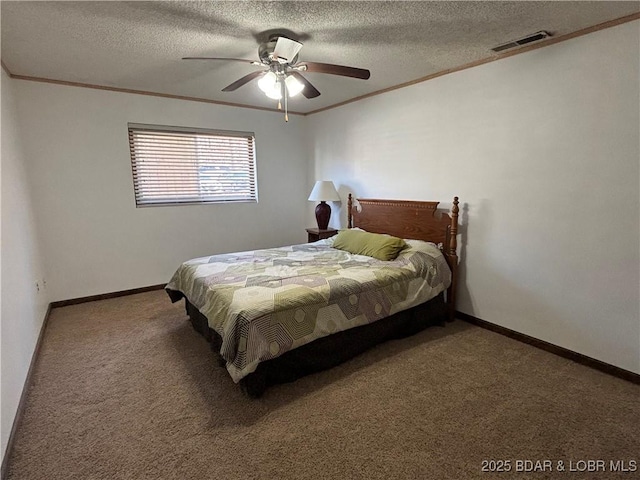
(349, 207)
(451, 255)
(453, 245)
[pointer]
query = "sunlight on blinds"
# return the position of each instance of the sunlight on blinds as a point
(174, 165)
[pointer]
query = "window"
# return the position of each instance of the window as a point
(177, 166)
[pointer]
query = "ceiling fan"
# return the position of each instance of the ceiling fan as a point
(282, 79)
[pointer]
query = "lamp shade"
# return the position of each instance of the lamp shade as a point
(270, 85)
(294, 86)
(324, 191)
(267, 82)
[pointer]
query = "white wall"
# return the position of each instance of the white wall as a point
(95, 239)
(543, 150)
(22, 307)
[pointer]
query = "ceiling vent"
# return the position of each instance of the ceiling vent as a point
(534, 37)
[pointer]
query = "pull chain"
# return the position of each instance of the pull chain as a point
(286, 102)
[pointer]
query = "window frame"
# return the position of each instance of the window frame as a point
(193, 133)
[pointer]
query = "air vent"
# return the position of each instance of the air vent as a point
(534, 37)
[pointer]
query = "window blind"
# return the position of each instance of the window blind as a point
(177, 165)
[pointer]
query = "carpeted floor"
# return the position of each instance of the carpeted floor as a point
(125, 389)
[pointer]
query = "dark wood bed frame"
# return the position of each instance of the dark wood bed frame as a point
(413, 220)
(401, 218)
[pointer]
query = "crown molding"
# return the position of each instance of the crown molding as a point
(498, 56)
(493, 58)
(142, 92)
(6, 70)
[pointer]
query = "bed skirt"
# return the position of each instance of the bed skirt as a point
(325, 352)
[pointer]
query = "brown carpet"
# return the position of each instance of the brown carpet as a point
(125, 389)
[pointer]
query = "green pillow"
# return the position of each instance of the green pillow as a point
(376, 245)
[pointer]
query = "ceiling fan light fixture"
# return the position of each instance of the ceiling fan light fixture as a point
(280, 78)
(294, 86)
(267, 82)
(275, 92)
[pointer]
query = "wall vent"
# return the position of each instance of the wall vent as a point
(534, 37)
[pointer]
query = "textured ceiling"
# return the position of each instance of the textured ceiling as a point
(139, 45)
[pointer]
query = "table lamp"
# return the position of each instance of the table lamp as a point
(323, 191)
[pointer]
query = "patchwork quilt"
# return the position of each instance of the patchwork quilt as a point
(264, 303)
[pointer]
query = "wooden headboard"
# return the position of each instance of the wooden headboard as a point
(413, 220)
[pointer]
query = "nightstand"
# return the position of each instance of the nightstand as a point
(316, 234)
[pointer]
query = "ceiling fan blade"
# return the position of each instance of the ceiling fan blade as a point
(241, 81)
(309, 90)
(222, 58)
(336, 70)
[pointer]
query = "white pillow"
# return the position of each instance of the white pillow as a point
(421, 246)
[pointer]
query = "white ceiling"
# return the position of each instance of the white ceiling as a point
(139, 45)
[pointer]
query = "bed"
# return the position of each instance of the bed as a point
(277, 314)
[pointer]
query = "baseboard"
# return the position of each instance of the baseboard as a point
(105, 296)
(23, 396)
(555, 349)
(36, 353)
